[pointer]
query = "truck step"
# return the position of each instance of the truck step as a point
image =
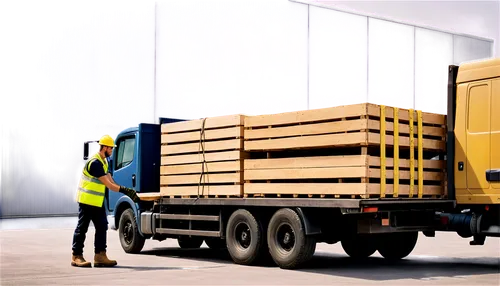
(188, 217)
(188, 232)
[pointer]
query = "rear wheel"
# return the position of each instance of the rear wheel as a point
(359, 246)
(128, 230)
(288, 244)
(244, 237)
(395, 246)
(190, 242)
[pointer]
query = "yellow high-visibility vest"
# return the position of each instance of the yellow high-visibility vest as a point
(90, 190)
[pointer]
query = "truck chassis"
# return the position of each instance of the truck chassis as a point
(286, 230)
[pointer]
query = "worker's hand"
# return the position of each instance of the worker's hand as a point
(130, 193)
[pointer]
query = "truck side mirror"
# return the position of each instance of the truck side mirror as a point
(86, 149)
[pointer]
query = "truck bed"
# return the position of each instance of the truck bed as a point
(404, 203)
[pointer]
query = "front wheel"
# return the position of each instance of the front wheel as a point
(130, 238)
(287, 241)
(395, 246)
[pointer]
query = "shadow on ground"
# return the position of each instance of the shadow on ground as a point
(373, 268)
(146, 268)
(201, 254)
(413, 267)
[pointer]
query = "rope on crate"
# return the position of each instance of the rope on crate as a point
(204, 162)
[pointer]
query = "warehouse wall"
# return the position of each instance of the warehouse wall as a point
(477, 18)
(25, 191)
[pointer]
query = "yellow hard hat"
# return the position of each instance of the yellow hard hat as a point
(106, 140)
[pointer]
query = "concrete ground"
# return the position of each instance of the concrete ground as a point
(38, 251)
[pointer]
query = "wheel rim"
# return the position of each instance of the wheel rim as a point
(242, 235)
(285, 237)
(128, 232)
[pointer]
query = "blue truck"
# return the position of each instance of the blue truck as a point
(286, 230)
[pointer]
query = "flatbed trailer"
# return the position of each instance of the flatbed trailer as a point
(248, 210)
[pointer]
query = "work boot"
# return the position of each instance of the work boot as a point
(101, 260)
(79, 261)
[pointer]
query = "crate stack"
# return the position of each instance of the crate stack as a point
(354, 151)
(202, 158)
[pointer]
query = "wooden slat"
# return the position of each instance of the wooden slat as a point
(306, 115)
(374, 189)
(305, 173)
(405, 175)
(338, 112)
(333, 188)
(210, 122)
(229, 166)
(405, 163)
(231, 132)
(198, 158)
(335, 127)
(308, 129)
(207, 146)
(333, 161)
(428, 118)
(429, 144)
(195, 179)
(306, 162)
(308, 141)
(334, 140)
(307, 188)
(229, 190)
(405, 128)
(149, 196)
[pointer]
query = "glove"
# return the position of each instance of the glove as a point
(130, 193)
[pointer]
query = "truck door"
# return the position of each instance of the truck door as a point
(495, 128)
(478, 136)
(124, 166)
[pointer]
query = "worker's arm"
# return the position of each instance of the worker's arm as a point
(111, 178)
(96, 169)
(110, 184)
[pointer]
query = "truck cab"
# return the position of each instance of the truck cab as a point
(477, 133)
(135, 164)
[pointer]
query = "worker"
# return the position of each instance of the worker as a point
(90, 198)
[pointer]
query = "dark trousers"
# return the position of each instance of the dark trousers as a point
(97, 215)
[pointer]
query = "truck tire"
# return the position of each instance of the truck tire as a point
(128, 230)
(215, 243)
(359, 246)
(189, 242)
(288, 243)
(395, 246)
(245, 237)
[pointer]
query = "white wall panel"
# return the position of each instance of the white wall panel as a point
(443, 42)
(478, 18)
(337, 58)
(390, 64)
(125, 77)
(469, 49)
(225, 57)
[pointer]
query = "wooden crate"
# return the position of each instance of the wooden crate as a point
(202, 157)
(341, 152)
